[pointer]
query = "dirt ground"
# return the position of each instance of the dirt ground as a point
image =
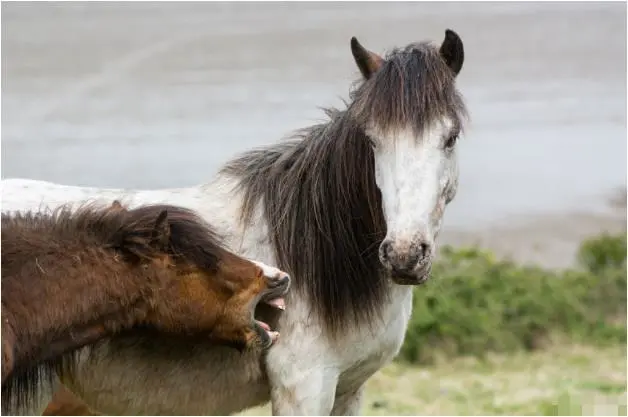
(551, 240)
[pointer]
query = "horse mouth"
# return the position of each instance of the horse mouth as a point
(411, 278)
(267, 312)
(278, 302)
(271, 335)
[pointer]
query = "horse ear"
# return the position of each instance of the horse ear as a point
(116, 205)
(452, 51)
(368, 62)
(161, 231)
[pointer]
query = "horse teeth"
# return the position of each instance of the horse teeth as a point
(278, 302)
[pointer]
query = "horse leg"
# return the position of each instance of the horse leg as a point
(302, 376)
(348, 404)
(303, 392)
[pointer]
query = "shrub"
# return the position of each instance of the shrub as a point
(475, 304)
(603, 252)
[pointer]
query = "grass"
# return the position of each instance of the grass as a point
(563, 379)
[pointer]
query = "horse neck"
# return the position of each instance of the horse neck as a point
(37, 320)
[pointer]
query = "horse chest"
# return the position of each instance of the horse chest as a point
(366, 351)
(355, 357)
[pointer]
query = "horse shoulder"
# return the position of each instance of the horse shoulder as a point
(303, 367)
(368, 350)
(307, 370)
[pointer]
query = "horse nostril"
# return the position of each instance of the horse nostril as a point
(281, 280)
(285, 279)
(424, 250)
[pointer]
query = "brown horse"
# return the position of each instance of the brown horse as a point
(71, 278)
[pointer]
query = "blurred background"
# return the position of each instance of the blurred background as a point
(152, 95)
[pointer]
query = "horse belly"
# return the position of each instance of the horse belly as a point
(209, 380)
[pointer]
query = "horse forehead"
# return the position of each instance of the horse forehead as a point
(407, 138)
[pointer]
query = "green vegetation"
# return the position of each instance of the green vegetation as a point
(604, 252)
(476, 304)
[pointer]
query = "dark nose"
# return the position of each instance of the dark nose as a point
(280, 280)
(403, 261)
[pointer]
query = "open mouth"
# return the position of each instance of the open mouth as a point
(267, 313)
(279, 305)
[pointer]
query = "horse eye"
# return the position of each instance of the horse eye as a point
(451, 141)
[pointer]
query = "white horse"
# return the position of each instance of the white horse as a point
(351, 208)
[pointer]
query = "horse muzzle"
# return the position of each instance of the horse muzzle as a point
(407, 263)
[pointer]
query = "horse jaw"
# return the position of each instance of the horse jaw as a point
(417, 177)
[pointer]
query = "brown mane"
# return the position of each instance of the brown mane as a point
(318, 190)
(130, 231)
